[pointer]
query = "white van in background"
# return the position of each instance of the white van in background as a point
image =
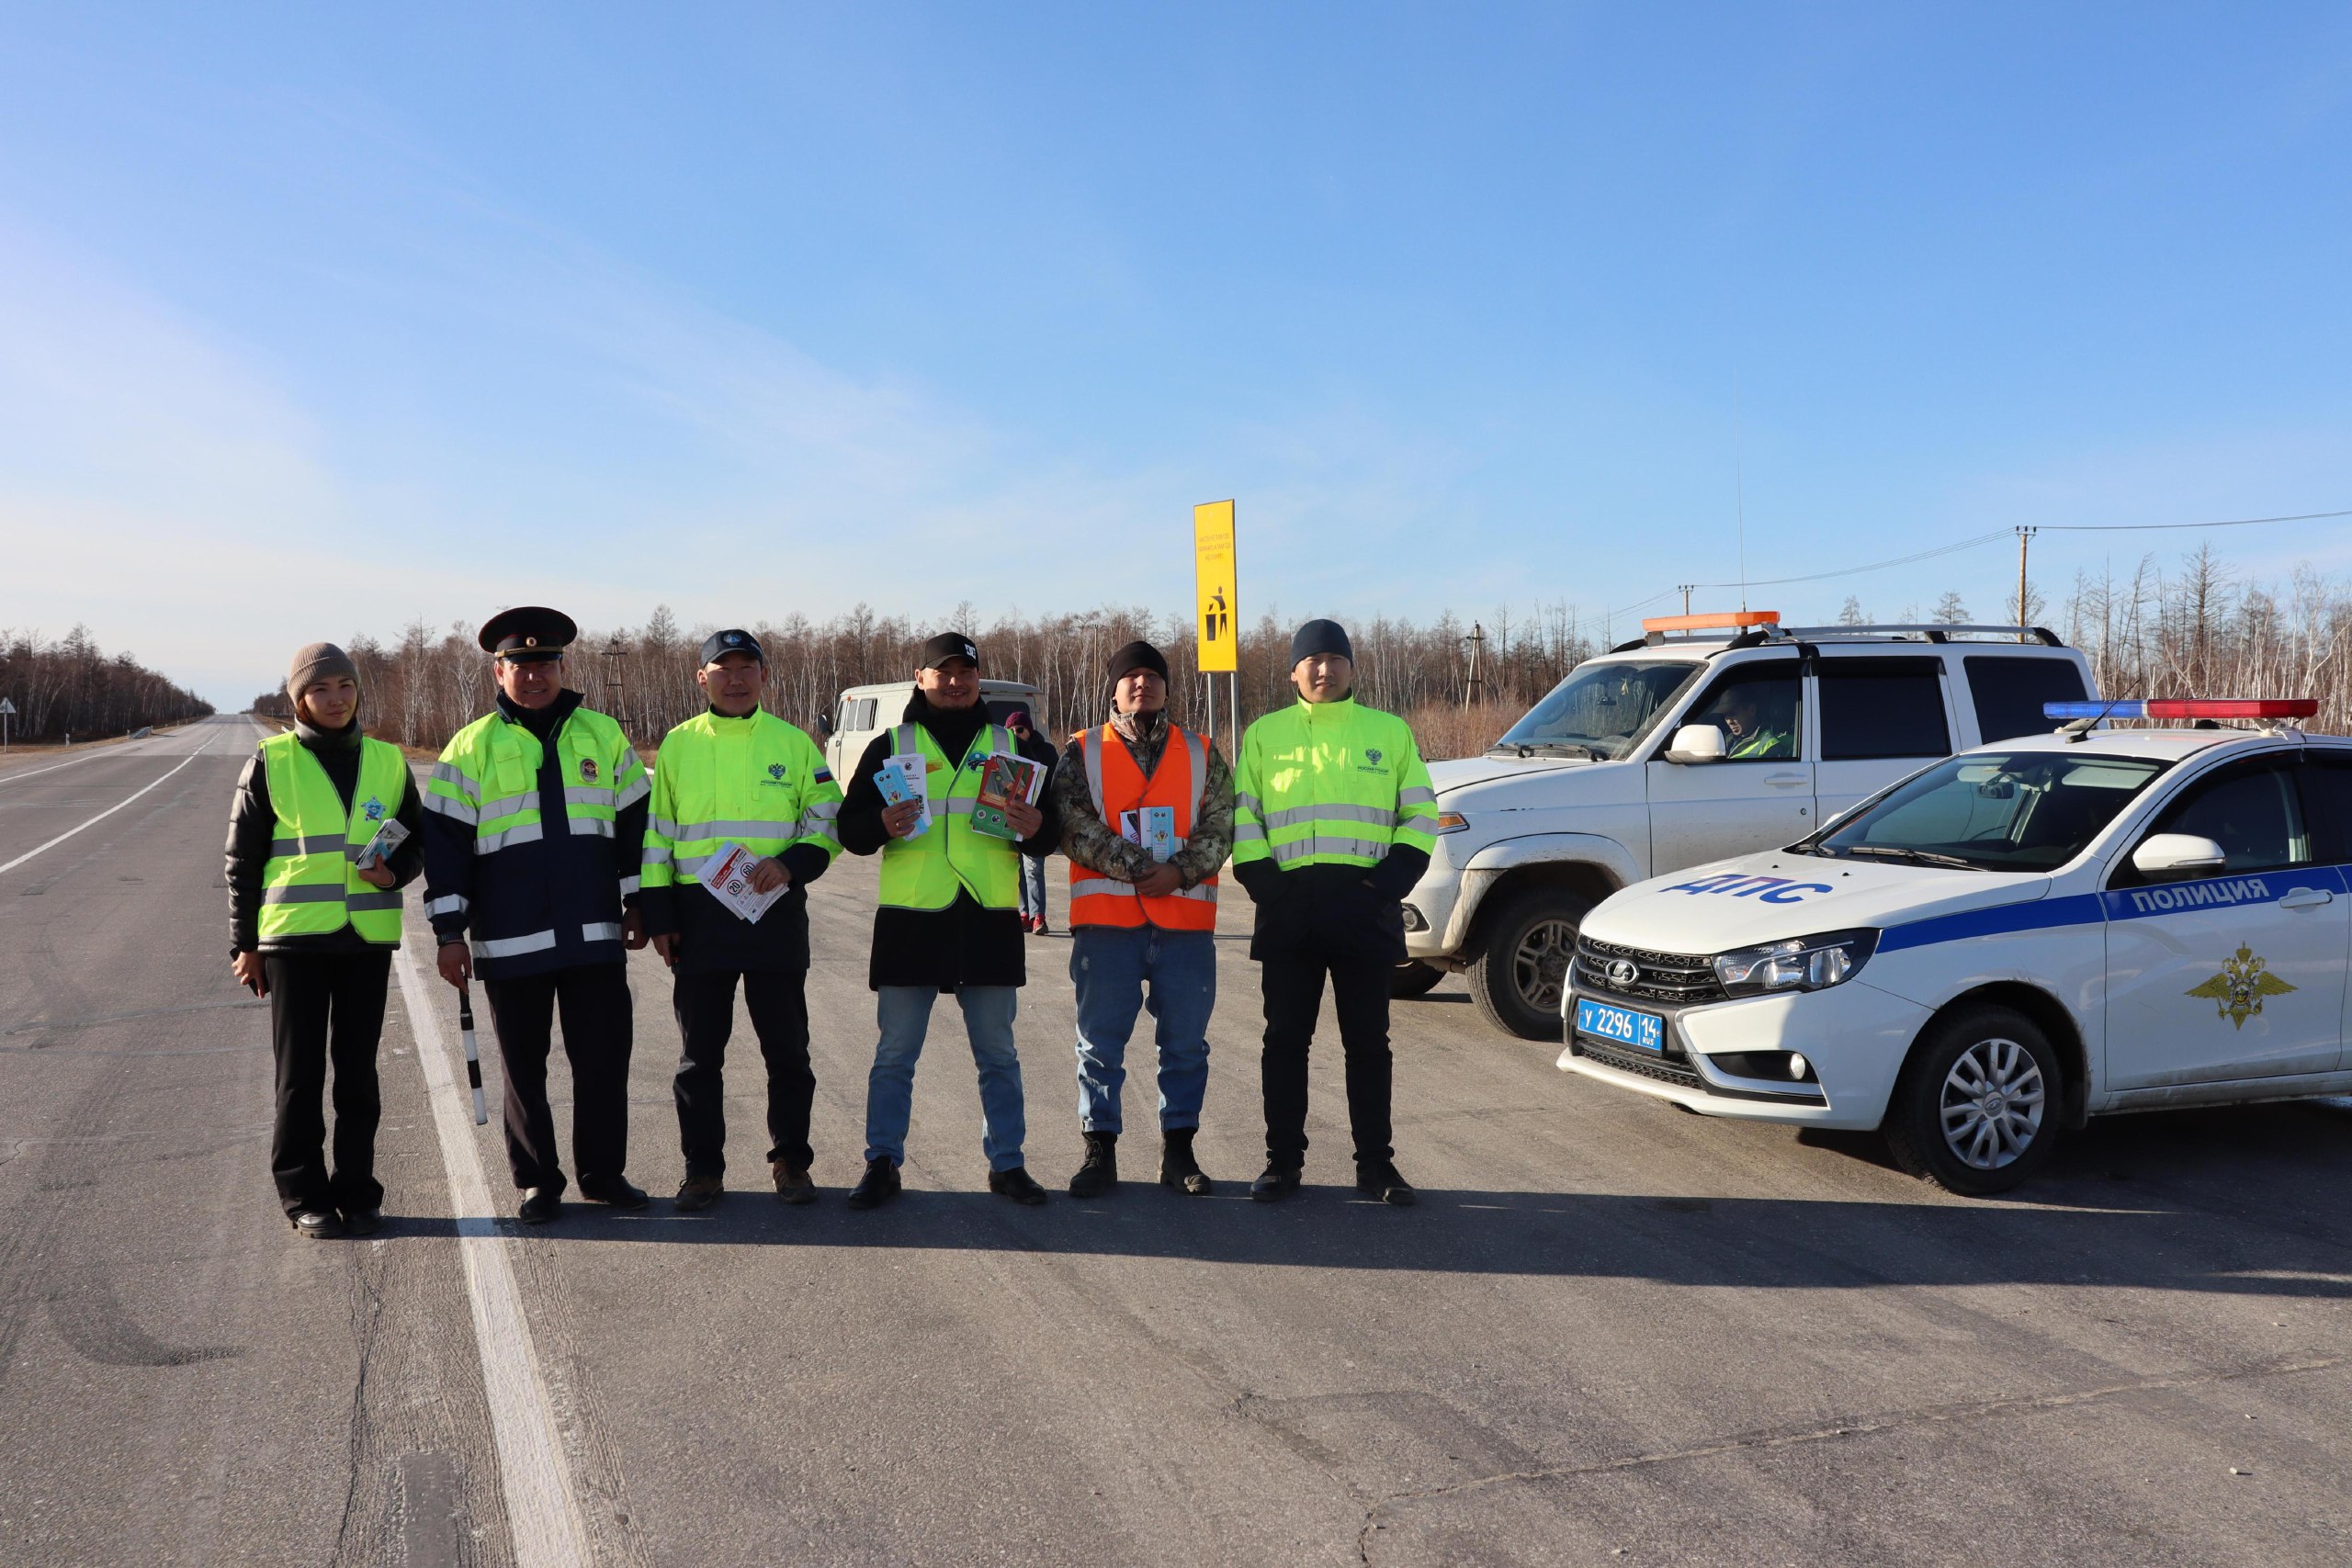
(861, 713)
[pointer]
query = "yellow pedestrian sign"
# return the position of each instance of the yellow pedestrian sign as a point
(1212, 578)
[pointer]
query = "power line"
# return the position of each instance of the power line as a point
(1972, 542)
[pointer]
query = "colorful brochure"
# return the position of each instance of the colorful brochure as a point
(378, 850)
(1003, 780)
(1153, 828)
(727, 875)
(907, 777)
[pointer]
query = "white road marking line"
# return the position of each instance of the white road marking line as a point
(93, 757)
(542, 1510)
(93, 821)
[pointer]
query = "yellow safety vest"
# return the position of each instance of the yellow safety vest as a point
(924, 873)
(1330, 784)
(309, 887)
(754, 780)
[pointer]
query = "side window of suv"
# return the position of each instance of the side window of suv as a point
(2009, 688)
(2250, 809)
(1882, 708)
(2327, 807)
(1760, 709)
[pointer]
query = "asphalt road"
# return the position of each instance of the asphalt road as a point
(1611, 1333)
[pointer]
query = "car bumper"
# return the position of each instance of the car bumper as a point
(1854, 1036)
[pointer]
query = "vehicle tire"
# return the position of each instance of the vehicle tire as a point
(1977, 1108)
(1413, 978)
(1522, 966)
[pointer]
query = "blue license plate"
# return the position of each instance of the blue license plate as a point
(1621, 1026)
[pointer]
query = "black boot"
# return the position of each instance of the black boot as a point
(1274, 1183)
(1178, 1168)
(1378, 1179)
(1099, 1177)
(877, 1187)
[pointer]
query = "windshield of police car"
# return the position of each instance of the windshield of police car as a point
(1603, 710)
(1993, 811)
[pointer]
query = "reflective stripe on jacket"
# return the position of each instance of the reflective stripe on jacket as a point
(755, 780)
(1118, 786)
(924, 873)
(310, 885)
(1330, 784)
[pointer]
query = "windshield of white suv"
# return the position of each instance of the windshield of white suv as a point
(1992, 811)
(1600, 710)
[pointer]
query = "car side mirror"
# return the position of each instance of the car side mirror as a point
(1696, 743)
(2177, 854)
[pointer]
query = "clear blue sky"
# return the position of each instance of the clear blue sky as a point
(316, 319)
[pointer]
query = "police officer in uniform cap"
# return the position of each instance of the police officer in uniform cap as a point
(736, 774)
(534, 827)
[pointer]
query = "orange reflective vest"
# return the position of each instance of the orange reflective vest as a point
(1118, 786)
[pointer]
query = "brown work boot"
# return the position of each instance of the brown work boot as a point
(698, 1193)
(793, 1184)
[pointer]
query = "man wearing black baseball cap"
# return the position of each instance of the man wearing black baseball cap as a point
(947, 920)
(737, 777)
(534, 825)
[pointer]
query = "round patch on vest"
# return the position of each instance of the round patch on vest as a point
(588, 769)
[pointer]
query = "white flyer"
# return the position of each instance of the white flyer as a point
(914, 780)
(727, 875)
(379, 850)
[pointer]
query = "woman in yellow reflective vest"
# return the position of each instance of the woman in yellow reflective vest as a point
(314, 910)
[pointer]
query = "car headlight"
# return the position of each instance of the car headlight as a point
(1800, 964)
(1452, 822)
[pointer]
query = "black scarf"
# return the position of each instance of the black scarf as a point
(953, 728)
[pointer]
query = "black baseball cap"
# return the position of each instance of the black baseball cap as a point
(947, 646)
(717, 645)
(528, 634)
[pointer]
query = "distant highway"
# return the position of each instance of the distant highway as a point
(1611, 1333)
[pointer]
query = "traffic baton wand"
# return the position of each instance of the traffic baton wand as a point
(473, 1053)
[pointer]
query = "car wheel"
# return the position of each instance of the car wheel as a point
(1520, 970)
(1976, 1110)
(1414, 978)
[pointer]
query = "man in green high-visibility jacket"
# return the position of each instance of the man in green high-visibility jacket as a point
(1334, 819)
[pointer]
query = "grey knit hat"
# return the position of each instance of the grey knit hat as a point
(316, 662)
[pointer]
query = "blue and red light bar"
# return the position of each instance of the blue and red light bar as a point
(2186, 707)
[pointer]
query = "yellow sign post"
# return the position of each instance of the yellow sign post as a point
(1212, 576)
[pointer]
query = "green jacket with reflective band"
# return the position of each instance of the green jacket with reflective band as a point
(535, 891)
(924, 873)
(1330, 784)
(754, 780)
(310, 887)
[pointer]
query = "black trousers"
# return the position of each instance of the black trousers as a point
(596, 1002)
(778, 1002)
(326, 1006)
(1294, 992)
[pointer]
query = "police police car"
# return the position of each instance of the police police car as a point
(2004, 944)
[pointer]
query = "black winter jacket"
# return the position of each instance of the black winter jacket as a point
(253, 823)
(963, 944)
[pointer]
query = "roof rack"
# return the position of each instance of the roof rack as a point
(1756, 632)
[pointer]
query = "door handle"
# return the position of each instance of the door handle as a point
(2307, 899)
(1784, 781)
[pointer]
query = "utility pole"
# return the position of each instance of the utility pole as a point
(1686, 588)
(2024, 533)
(615, 680)
(1478, 641)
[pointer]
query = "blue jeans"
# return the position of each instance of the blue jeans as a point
(1033, 885)
(1110, 966)
(904, 1013)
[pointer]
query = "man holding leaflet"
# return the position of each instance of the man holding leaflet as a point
(737, 776)
(948, 920)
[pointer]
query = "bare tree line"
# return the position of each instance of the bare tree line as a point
(71, 687)
(2201, 629)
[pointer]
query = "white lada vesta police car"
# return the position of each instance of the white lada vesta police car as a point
(2003, 944)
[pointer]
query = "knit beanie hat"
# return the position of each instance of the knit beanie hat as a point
(1138, 655)
(1320, 637)
(316, 662)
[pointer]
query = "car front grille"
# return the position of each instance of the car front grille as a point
(1665, 1069)
(1676, 978)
